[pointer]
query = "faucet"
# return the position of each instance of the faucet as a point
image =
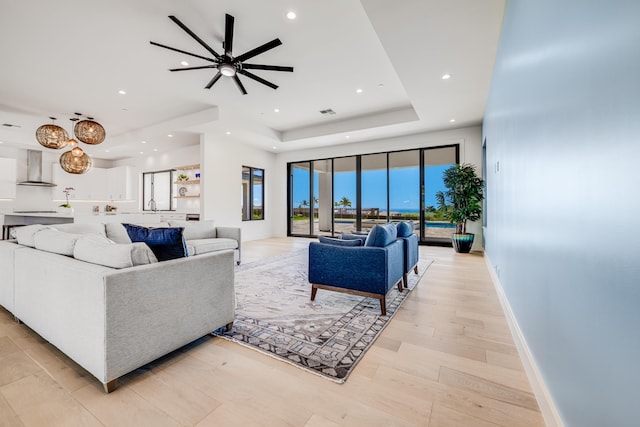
(152, 205)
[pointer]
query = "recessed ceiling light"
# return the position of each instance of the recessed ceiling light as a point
(142, 152)
(106, 151)
(275, 148)
(452, 120)
(143, 142)
(446, 76)
(155, 149)
(184, 63)
(291, 15)
(276, 110)
(122, 92)
(2, 142)
(358, 90)
(228, 132)
(347, 136)
(170, 136)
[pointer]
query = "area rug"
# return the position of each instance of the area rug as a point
(328, 336)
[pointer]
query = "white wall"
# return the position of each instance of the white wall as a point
(221, 184)
(562, 123)
(470, 152)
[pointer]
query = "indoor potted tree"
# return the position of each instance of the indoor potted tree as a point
(461, 202)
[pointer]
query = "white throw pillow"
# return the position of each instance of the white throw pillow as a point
(117, 232)
(55, 241)
(24, 235)
(196, 229)
(97, 249)
(142, 254)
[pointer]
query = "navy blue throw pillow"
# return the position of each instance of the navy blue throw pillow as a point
(165, 243)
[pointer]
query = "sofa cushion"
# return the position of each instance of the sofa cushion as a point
(97, 249)
(201, 246)
(405, 228)
(75, 228)
(116, 232)
(196, 229)
(166, 243)
(24, 235)
(382, 235)
(59, 242)
(340, 242)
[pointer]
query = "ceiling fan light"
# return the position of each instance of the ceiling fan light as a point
(227, 70)
(89, 132)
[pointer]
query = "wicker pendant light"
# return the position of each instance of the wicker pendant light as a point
(75, 161)
(52, 136)
(89, 131)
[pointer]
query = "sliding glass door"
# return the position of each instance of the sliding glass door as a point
(435, 161)
(347, 194)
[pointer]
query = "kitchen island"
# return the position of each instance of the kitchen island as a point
(20, 218)
(14, 219)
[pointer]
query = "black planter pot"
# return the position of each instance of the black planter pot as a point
(462, 242)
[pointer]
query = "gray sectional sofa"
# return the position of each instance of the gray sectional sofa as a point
(111, 307)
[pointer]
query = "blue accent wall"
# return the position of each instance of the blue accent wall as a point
(562, 130)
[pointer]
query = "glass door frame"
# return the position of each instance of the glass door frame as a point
(358, 179)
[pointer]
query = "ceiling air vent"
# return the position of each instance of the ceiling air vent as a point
(327, 112)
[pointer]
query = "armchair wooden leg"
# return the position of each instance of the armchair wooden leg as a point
(405, 280)
(383, 305)
(415, 268)
(228, 326)
(399, 285)
(313, 292)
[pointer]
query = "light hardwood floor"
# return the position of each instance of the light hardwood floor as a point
(446, 359)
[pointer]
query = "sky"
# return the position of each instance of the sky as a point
(404, 183)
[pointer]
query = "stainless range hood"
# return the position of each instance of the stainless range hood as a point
(34, 170)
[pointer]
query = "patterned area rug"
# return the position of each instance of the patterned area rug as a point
(328, 336)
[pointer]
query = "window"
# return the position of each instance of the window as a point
(157, 191)
(252, 193)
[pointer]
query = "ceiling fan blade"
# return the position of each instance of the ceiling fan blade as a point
(193, 35)
(228, 34)
(183, 51)
(213, 80)
(266, 67)
(240, 85)
(258, 50)
(258, 79)
(193, 68)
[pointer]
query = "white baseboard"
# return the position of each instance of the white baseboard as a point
(547, 406)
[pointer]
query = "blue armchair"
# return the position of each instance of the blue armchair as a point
(370, 270)
(410, 248)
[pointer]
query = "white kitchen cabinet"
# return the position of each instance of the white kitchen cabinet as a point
(7, 178)
(98, 184)
(120, 183)
(91, 185)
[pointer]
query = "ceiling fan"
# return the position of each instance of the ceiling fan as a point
(226, 64)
